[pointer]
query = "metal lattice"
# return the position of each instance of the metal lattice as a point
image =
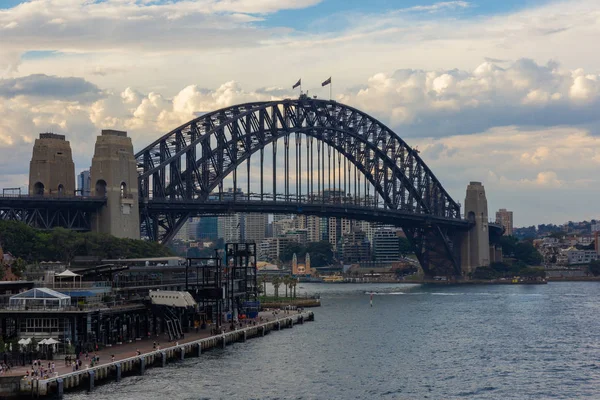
(182, 173)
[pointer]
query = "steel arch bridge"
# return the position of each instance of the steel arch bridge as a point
(378, 177)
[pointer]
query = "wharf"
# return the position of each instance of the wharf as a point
(127, 362)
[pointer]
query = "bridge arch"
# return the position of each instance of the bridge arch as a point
(189, 163)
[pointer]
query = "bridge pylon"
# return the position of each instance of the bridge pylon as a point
(475, 249)
(51, 170)
(114, 175)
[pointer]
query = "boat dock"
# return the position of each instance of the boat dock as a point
(20, 386)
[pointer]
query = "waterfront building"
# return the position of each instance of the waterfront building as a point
(575, 256)
(505, 218)
(386, 244)
(301, 268)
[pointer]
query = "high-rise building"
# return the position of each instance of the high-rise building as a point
(84, 183)
(230, 227)
(255, 227)
(355, 246)
(505, 218)
(208, 228)
(386, 244)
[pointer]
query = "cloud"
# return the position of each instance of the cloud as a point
(40, 85)
(439, 6)
(452, 102)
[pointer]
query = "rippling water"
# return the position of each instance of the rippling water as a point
(437, 342)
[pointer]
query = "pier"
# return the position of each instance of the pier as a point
(20, 386)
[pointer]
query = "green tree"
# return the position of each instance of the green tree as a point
(484, 273)
(286, 282)
(18, 267)
(276, 282)
(405, 247)
(321, 253)
(594, 267)
(289, 250)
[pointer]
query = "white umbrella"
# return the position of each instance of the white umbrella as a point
(51, 341)
(22, 341)
(43, 341)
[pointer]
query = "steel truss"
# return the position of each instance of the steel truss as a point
(190, 163)
(47, 213)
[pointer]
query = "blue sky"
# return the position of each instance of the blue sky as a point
(501, 91)
(304, 19)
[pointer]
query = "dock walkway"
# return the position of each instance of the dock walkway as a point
(128, 362)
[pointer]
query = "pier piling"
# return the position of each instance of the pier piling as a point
(118, 372)
(91, 375)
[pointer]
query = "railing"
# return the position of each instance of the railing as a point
(76, 285)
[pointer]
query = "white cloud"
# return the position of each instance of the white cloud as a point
(450, 102)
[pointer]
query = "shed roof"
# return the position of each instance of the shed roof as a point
(40, 293)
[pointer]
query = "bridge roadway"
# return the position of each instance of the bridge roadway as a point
(348, 210)
(74, 212)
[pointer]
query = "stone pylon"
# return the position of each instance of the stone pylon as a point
(475, 250)
(114, 175)
(51, 170)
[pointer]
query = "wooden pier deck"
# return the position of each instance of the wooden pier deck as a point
(127, 362)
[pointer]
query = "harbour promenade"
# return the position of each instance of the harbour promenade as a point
(135, 357)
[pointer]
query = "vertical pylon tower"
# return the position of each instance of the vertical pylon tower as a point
(114, 175)
(476, 244)
(51, 170)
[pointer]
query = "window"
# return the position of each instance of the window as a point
(61, 189)
(38, 189)
(101, 188)
(123, 190)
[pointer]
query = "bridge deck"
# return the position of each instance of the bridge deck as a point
(351, 211)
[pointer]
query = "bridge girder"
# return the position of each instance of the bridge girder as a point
(191, 161)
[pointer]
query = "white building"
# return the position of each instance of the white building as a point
(229, 227)
(575, 256)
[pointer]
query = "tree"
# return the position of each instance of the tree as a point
(290, 249)
(321, 253)
(276, 282)
(405, 247)
(286, 283)
(262, 282)
(18, 267)
(293, 284)
(594, 267)
(484, 273)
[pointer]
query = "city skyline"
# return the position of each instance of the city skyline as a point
(502, 94)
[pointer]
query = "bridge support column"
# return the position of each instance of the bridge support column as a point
(114, 176)
(475, 248)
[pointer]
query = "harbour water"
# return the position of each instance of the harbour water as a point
(416, 342)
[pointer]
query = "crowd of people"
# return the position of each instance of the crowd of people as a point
(41, 371)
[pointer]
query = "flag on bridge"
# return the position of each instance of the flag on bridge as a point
(327, 82)
(297, 83)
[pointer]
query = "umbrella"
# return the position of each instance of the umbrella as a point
(43, 341)
(23, 341)
(51, 341)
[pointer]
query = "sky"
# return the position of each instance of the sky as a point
(502, 92)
